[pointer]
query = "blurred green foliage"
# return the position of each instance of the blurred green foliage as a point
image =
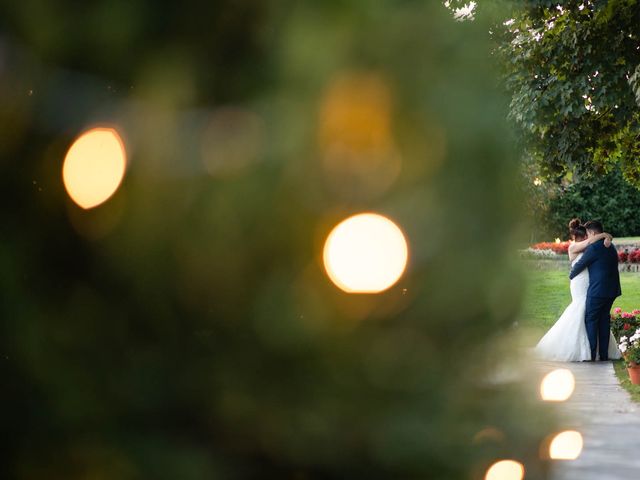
(185, 328)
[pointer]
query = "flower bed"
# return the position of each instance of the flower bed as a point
(538, 254)
(624, 324)
(632, 256)
(559, 248)
(625, 327)
(630, 348)
(629, 260)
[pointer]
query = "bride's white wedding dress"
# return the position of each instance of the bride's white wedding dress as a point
(567, 340)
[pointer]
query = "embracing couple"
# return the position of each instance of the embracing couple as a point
(583, 332)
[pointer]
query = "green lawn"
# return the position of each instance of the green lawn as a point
(548, 295)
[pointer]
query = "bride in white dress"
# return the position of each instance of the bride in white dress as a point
(567, 340)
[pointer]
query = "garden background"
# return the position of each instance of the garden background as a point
(186, 327)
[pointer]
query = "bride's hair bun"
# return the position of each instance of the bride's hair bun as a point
(577, 230)
(574, 223)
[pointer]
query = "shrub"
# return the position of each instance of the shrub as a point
(607, 198)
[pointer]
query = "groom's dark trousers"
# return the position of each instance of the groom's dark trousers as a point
(598, 323)
(604, 287)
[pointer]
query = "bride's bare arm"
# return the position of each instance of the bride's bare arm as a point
(578, 247)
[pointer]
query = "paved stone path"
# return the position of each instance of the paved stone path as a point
(609, 421)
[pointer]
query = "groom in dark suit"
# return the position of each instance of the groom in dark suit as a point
(604, 287)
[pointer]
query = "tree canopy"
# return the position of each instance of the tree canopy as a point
(573, 71)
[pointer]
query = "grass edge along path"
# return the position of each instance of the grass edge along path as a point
(623, 378)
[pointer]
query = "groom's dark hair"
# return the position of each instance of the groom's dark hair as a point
(594, 226)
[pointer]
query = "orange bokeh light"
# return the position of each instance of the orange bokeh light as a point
(366, 253)
(94, 167)
(355, 134)
(566, 445)
(356, 114)
(505, 470)
(557, 386)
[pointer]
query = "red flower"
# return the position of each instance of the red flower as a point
(626, 326)
(634, 257)
(559, 248)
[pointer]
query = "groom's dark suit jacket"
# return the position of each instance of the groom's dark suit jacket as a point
(602, 262)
